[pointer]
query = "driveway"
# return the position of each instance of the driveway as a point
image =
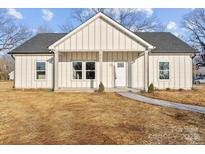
(45, 117)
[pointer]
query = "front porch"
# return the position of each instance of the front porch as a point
(105, 69)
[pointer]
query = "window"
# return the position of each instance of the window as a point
(40, 70)
(164, 70)
(120, 64)
(90, 70)
(77, 70)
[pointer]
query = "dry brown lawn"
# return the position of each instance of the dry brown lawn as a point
(45, 117)
(193, 97)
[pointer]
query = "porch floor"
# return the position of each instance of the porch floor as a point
(116, 89)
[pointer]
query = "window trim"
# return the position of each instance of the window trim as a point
(77, 70)
(89, 70)
(159, 70)
(36, 61)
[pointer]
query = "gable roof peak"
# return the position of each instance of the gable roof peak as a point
(110, 20)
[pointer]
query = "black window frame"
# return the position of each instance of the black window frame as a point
(90, 70)
(74, 71)
(164, 71)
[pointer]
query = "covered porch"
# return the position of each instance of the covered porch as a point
(117, 70)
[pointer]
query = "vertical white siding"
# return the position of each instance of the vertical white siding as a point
(138, 73)
(65, 73)
(108, 75)
(100, 35)
(25, 71)
(180, 71)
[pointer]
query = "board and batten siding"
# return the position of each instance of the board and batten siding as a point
(25, 75)
(180, 71)
(99, 35)
(65, 70)
(134, 69)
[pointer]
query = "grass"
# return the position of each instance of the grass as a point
(45, 117)
(193, 97)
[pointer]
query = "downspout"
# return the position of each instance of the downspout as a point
(14, 70)
(193, 69)
(52, 52)
(148, 54)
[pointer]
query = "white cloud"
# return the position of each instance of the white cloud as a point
(14, 13)
(47, 14)
(148, 11)
(171, 25)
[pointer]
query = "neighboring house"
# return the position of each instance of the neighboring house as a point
(200, 71)
(11, 75)
(103, 50)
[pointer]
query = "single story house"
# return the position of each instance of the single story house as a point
(102, 50)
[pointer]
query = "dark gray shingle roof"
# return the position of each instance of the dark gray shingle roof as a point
(165, 42)
(38, 43)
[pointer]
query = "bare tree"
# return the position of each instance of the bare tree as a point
(194, 23)
(133, 19)
(11, 34)
(6, 66)
(66, 27)
(44, 29)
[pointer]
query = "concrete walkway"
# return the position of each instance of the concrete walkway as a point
(141, 98)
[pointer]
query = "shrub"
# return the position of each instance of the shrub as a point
(168, 89)
(101, 87)
(151, 88)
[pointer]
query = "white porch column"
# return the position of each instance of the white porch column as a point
(100, 63)
(56, 59)
(146, 70)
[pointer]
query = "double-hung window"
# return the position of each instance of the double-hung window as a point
(41, 70)
(164, 71)
(90, 70)
(77, 70)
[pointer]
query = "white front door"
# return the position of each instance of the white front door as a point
(120, 74)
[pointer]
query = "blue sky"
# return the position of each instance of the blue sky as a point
(33, 18)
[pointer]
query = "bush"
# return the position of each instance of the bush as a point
(101, 87)
(168, 89)
(151, 88)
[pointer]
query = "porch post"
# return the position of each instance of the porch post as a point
(146, 70)
(55, 74)
(100, 62)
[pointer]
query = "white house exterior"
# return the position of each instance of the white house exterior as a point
(101, 50)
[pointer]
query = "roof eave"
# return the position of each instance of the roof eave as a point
(174, 51)
(28, 52)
